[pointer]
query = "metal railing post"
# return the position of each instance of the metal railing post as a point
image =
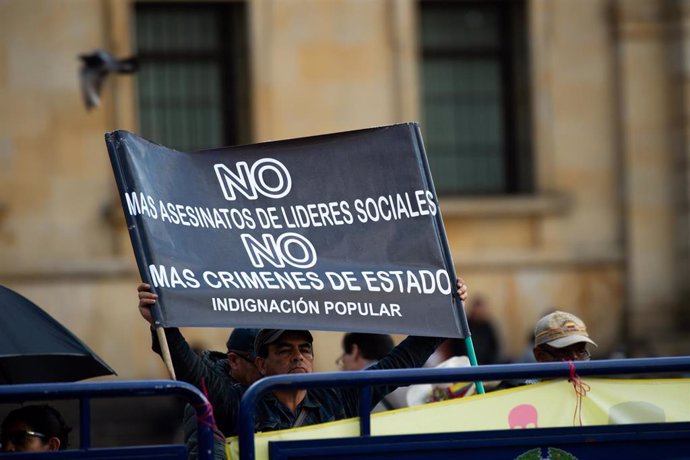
(84, 423)
(365, 411)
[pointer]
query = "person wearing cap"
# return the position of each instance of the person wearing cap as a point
(280, 351)
(212, 372)
(237, 366)
(290, 352)
(234, 366)
(558, 336)
(561, 336)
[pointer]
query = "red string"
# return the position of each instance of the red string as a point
(206, 416)
(581, 389)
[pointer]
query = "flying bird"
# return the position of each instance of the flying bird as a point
(95, 68)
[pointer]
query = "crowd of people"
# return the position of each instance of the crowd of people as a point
(252, 354)
(276, 352)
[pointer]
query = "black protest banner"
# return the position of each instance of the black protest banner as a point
(333, 232)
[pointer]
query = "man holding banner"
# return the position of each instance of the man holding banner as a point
(280, 352)
(333, 232)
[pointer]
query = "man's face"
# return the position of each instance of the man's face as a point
(351, 361)
(292, 353)
(575, 352)
(242, 368)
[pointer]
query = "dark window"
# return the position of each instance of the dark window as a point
(476, 117)
(193, 87)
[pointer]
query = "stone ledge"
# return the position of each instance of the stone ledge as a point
(72, 270)
(505, 206)
(515, 260)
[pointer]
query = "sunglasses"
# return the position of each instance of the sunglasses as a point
(20, 438)
(567, 353)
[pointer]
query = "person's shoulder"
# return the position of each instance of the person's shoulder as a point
(331, 403)
(217, 362)
(216, 358)
(324, 395)
(227, 396)
(321, 392)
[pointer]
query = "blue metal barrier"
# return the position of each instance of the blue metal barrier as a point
(366, 379)
(644, 441)
(85, 391)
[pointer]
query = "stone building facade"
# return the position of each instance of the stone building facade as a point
(601, 228)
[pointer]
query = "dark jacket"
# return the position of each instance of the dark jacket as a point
(189, 425)
(322, 404)
(214, 363)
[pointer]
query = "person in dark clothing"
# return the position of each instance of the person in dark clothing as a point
(280, 352)
(235, 366)
(487, 347)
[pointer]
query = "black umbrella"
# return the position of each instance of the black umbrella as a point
(35, 348)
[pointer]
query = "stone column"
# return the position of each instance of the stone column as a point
(679, 60)
(646, 105)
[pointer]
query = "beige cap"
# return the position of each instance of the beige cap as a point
(560, 329)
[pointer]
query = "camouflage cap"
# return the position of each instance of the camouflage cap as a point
(560, 329)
